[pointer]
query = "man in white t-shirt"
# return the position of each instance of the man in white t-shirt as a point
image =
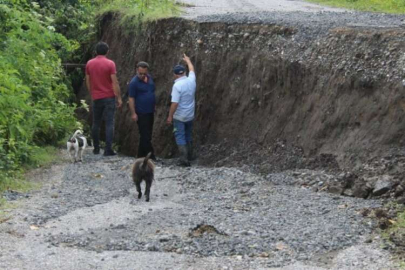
(182, 110)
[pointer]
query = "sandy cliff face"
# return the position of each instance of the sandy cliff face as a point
(336, 93)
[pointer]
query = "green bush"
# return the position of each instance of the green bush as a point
(132, 12)
(33, 94)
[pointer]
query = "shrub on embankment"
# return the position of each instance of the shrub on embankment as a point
(34, 96)
(389, 6)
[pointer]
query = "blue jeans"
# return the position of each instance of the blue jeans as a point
(183, 131)
(103, 107)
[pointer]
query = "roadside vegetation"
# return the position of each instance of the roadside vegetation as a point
(396, 236)
(392, 224)
(386, 6)
(135, 11)
(36, 95)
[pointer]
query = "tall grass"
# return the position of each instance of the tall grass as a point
(134, 11)
(15, 180)
(386, 6)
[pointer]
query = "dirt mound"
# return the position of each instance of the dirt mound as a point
(202, 229)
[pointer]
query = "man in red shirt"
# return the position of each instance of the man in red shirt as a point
(102, 83)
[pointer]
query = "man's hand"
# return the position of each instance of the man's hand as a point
(186, 58)
(134, 117)
(119, 103)
(173, 109)
(169, 120)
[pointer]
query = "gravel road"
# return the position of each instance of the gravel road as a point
(310, 20)
(210, 7)
(86, 216)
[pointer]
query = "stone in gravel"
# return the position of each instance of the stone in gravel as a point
(383, 185)
(369, 240)
(399, 190)
(151, 247)
(335, 189)
(264, 255)
(361, 189)
(164, 238)
(401, 200)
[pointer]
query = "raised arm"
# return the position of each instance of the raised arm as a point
(189, 64)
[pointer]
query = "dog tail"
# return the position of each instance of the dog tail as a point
(145, 161)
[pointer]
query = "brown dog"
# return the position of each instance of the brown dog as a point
(143, 170)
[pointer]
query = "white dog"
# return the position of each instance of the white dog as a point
(76, 143)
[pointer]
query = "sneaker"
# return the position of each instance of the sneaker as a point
(109, 153)
(96, 151)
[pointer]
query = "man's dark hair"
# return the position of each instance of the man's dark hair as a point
(142, 65)
(102, 48)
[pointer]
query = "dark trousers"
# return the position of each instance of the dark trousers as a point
(103, 107)
(145, 125)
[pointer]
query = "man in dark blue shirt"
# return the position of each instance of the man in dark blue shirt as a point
(142, 105)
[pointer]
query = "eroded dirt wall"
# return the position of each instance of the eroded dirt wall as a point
(340, 93)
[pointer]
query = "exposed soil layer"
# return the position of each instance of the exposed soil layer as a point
(277, 91)
(339, 94)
